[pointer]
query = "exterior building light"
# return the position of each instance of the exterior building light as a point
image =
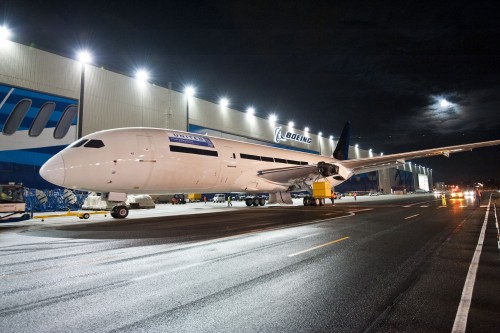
(4, 33)
(142, 75)
(189, 91)
(250, 111)
(224, 102)
(84, 57)
(291, 124)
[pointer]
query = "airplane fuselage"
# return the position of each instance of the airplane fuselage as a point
(160, 161)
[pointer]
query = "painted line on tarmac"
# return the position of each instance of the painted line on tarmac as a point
(319, 246)
(460, 323)
(412, 216)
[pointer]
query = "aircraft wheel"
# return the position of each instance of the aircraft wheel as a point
(306, 201)
(248, 202)
(255, 202)
(120, 212)
(262, 201)
(321, 202)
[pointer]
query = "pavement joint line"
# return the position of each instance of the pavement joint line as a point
(418, 203)
(319, 246)
(412, 216)
(460, 323)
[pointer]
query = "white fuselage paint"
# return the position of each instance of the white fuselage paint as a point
(140, 161)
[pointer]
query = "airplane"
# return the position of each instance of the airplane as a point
(141, 160)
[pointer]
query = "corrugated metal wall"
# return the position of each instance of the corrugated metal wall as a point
(114, 100)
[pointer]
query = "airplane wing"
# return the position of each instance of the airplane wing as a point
(289, 174)
(293, 174)
(368, 164)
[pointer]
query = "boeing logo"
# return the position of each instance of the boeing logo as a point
(289, 136)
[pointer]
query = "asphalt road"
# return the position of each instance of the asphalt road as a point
(382, 266)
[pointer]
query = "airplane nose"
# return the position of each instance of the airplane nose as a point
(53, 170)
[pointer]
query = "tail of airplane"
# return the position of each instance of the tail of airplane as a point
(341, 152)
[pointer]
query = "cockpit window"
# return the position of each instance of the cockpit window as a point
(94, 144)
(79, 143)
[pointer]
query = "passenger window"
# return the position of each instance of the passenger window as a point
(16, 117)
(64, 123)
(41, 119)
(94, 144)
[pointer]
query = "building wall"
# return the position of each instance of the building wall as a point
(113, 100)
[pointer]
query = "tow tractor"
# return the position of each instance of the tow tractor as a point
(12, 203)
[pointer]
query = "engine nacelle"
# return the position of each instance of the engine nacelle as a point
(327, 169)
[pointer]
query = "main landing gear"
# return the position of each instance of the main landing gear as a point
(255, 201)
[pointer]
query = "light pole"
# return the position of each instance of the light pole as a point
(143, 76)
(189, 91)
(319, 139)
(84, 57)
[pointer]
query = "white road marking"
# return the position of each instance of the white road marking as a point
(409, 217)
(464, 306)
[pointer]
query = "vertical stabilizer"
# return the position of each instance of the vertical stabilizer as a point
(341, 152)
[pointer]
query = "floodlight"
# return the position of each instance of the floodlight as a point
(4, 33)
(84, 57)
(142, 75)
(189, 91)
(224, 102)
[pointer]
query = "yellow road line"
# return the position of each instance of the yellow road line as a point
(409, 217)
(319, 246)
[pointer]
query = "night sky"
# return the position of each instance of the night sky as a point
(383, 66)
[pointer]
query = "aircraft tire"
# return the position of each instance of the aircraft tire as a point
(255, 202)
(248, 202)
(120, 212)
(262, 202)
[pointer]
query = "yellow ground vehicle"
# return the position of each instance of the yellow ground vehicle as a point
(194, 197)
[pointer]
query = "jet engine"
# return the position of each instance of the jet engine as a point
(327, 169)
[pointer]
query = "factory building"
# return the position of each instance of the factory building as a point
(47, 101)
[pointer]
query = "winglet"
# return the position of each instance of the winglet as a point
(342, 150)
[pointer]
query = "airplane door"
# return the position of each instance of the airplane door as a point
(125, 171)
(230, 171)
(145, 155)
